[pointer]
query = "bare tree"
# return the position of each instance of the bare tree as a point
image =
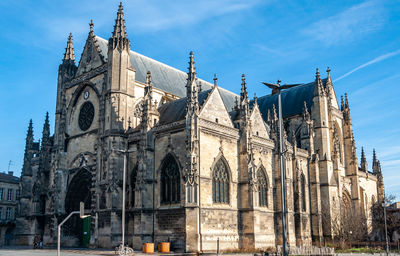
(345, 223)
(392, 218)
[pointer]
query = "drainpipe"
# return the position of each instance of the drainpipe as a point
(309, 196)
(200, 247)
(154, 180)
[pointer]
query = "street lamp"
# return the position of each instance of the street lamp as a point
(277, 88)
(386, 233)
(124, 250)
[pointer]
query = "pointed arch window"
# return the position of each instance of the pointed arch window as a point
(220, 185)
(262, 182)
(170, 181)
(303, 192)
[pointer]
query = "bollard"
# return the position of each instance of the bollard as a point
(218, 246)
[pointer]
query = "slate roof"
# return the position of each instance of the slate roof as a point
(170, 80)
(176, 110)
(163, 77)
(9, 178)
(292, 100)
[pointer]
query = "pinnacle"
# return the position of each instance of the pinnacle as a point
(328, 70)
(341, 102)
(317, 75)
(148, 78)
(119, 27)
(363, 159)
(318, 88)
(91, 25)
(243, 93)
(192, 69)
(47, 117)
(215, 80)
(30, 128)
(69, 51)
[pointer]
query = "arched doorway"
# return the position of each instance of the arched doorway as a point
(78, 191)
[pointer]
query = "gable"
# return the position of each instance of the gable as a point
(214, 109)
(90, 58)
(258, 126)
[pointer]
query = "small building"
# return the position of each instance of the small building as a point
(9, 195)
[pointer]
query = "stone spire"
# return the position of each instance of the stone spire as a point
(192, 68)
(29, 135)
(192, 102)
(149, 110)
(67, 69)
(119, 37)
(364, 165)
(148, 89)
(341, 103)
(244, 98)
(243, 92)
(45, 156)
(28, 155)
(318, 86)
(329, 85)
(346, 109)
(69, 54)
(374, 160)
(375, 163)
(46, 131)
(190, 174)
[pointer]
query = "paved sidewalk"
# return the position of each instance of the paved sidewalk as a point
(52, 252)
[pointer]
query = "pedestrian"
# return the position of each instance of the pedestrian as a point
(35, 242)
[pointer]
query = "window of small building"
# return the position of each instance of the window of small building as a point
(170, 181)
(8, 213)
(262, 187)
(9, 194)
(1, 193)
(220, 185)
(1, 213)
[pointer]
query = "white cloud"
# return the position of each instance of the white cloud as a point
(366, 64)
(349, 24)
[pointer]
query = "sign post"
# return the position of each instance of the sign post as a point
(81, 213)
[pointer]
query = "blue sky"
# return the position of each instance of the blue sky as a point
(266, 40)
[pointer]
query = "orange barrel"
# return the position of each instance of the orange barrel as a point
(163, 247)
(148, 248)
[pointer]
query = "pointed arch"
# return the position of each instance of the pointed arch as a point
(221, 181)
(170, 185)
(262, 182)
(79, 90)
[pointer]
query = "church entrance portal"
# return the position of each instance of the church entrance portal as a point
(78, 191)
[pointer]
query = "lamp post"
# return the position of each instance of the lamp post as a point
(277, 88)
(386, 233)
(124, 250)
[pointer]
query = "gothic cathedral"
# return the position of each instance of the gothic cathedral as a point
(202, 162)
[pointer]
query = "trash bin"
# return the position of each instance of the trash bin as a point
(163, 247)
(148, 248)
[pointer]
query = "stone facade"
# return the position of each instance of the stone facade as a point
(202, 162)
(9, 195)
